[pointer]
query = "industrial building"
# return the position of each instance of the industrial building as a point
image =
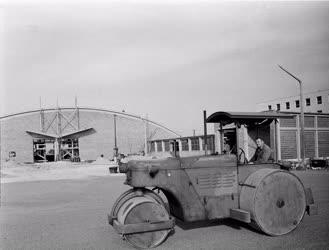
(280, 130)
(281, 134)
(75, 133)
(185, 146)
(314, 102)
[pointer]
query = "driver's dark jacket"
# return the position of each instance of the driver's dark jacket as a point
(263, 155)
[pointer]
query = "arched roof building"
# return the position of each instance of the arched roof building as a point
(75, 132)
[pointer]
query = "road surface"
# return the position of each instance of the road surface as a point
(72, 214)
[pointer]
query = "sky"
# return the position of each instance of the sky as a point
(169, 60)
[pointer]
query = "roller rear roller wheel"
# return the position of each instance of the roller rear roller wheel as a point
(277, 203)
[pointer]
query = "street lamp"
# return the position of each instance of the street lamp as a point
(302, 145)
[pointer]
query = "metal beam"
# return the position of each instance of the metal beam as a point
(69, 120)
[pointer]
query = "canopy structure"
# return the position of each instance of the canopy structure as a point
(71, 135)
(57, 138)
(246, 118)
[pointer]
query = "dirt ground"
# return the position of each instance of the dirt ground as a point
(71, 214)
(14, 172)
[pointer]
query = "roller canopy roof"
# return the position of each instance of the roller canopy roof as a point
(255, 118)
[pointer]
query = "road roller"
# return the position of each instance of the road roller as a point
(265, 195)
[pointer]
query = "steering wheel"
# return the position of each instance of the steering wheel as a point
(245, 161)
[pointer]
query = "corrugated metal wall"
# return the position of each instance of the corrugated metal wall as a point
(288, 144)
(309, 144)
(316, 136)
(324, 143)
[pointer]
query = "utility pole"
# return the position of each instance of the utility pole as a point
(205, 132)
(302, 143)
(0, 163)
(77, 112)
(115, 149)
(42, 117)
(146, 135)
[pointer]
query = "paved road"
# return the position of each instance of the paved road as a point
(71, 214)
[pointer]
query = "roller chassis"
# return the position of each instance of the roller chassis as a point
(206, 188)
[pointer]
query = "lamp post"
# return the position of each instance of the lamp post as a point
(205, 131)
(115, 149)
(302, 145)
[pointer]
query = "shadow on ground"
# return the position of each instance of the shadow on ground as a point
(214, 223)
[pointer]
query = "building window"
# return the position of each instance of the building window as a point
(269, 107)
(319, 99)
(297, 103)
(278, 106)
(184, 145)
(159, 146)
(166, 146)
(195, 144)
(152, 148)
(319, 111)
(308, 102)
(287, 105)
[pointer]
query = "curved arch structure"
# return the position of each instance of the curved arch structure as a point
(93, 131)
(124, 114)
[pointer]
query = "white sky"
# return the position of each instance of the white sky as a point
(167, 60)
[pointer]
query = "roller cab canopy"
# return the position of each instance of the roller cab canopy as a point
(246, 118)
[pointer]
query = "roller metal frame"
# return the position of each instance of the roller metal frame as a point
(141, 227)
(208, 187)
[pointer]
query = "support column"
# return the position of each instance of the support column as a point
(56, 150)
(59, 122)
(155, 146)
(163, 146)
(59, 132)
(237, 140)
(200, 144)
(221, 139)
(245, 141)
(298, 137)
(42, 120)
(189, 142)
(146, 136)
(77, 112)
(42, 117)
(78, 118)
(180, 145)
(278, 140)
